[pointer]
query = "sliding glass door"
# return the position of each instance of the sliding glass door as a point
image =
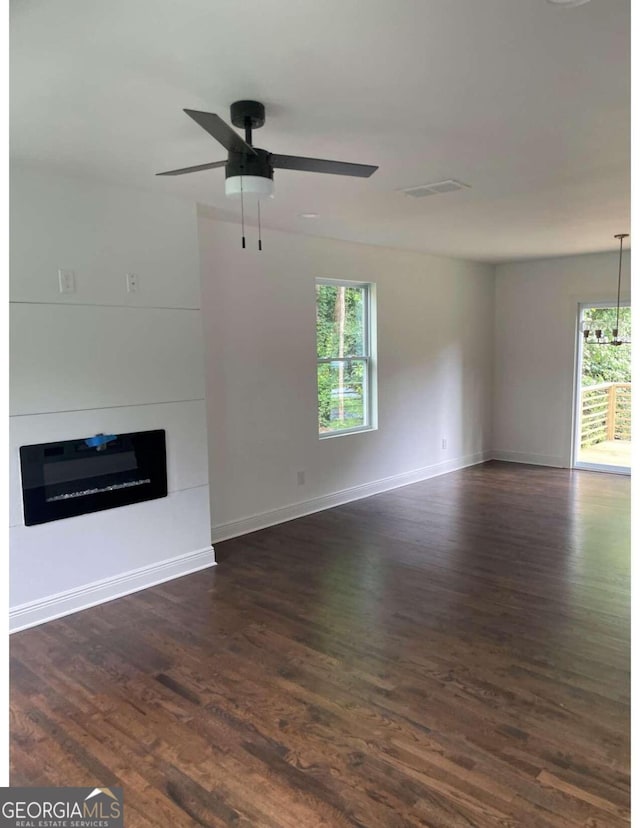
(602, 410)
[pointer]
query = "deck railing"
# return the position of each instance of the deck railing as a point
(606, 413)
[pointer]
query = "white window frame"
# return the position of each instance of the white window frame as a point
(368, 358)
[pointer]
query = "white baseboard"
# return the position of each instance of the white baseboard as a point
(97, 592)
(235, 528)
(530, 459)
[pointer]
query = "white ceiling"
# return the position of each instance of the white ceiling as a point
(525, 101)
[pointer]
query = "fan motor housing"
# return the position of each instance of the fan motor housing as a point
(241, 164)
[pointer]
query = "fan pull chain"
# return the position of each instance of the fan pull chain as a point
(259, 228)
(242, 212)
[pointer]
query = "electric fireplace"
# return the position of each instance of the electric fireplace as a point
(73, 477)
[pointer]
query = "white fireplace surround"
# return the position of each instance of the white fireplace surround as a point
(102, 359)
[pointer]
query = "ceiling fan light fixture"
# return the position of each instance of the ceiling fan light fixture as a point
(248, 169)
(248, 185)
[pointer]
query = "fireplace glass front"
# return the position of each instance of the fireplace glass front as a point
(73, 477)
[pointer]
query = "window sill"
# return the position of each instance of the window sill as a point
(329, 435)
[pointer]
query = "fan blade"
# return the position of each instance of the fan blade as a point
(320, 165)
(200, 167)
(221, 131)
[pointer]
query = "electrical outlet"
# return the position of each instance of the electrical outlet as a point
(66, 281)
(444, 443)
(132, 283)
(300, 478)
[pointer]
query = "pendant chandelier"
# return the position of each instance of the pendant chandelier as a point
(592, 333)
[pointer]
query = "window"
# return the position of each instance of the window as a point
(345, 372)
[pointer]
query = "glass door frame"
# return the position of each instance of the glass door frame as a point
(577, 396)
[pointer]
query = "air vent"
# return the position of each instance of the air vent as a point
(448, 186)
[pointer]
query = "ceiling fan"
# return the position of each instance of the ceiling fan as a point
(249, 170)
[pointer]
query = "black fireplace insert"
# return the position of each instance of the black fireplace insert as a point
(73, 477)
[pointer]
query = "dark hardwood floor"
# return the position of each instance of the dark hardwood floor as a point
(453, 653)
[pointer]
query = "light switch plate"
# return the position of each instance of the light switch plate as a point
(67, 281)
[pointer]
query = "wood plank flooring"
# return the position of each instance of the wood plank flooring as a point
(452, 653)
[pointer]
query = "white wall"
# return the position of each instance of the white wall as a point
(536, 308)
(435, 346)
(104, 360)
